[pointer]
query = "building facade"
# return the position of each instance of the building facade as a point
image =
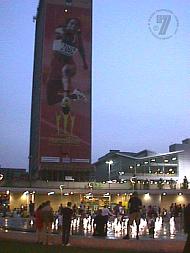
(146, 168)
(60, 141)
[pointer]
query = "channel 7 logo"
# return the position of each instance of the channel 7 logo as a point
(163, 24)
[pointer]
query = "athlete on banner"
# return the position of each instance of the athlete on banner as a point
(67, 42)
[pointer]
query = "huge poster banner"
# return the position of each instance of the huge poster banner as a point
(65, 107)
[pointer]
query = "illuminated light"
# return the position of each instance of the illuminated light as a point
(161, 172)
(1, 177)
(145, 162)
(173, 172)
(66, 193)
(147, 196)
(170, 170)
(131, 167)
(153, 160)
(180, 193)
(174, 158)
(65, 10)
(168, 182)
(26, 192)
(151, 182)
(71, 193)
(164, 193)
(150, 171)
(138, 164)
(118, 194)
(7, 192)
(51, 193)
(166, 160)
(31, 223)
(61, 187)
(106, 194)
(125, 194)
(139, 181)
(155, 182)
(109, 162)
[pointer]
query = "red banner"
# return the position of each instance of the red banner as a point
(65, 108)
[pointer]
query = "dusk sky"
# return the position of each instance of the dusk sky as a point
(140, 81)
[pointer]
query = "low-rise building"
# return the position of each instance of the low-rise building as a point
(146, 168)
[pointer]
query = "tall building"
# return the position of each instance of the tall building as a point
(60, 140)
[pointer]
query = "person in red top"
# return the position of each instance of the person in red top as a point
(39, 224)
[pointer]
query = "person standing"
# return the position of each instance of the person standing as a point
(134, 206)
(187, 228)
(47, 219)
(106, 213)
(99, 224)
(31, 209)
(67, 214)
(39, 224)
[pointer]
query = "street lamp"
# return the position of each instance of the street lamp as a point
(109, 179)
(133, 181)
(61, 187)
(109, 168)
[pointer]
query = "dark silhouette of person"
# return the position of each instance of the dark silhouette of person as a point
(134, 206)
(99, 224)
(67, 214)
(187, 228)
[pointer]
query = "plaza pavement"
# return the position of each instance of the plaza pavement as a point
(141, 246)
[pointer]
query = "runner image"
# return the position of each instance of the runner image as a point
(67, 42)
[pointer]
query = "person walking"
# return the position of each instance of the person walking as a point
(67, 214)
(187, 228)
(134, 206)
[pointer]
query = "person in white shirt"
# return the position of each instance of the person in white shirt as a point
(106, 213)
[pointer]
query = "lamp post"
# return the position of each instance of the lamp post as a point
(133, 181)
(61, 187)
(109, 178)
(109, 168)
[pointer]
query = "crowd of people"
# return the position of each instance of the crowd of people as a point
(44, 217)
(100, 218)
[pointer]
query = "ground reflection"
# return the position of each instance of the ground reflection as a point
(171, 229)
